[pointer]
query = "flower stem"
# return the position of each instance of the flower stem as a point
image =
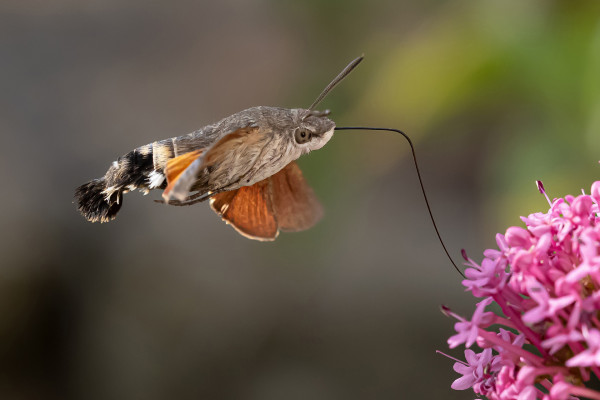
(450, 357)
(504, 321)
(493, 338)
(516, 319)
(585, 392)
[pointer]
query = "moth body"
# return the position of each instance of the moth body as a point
(253, 144)
(244, 164)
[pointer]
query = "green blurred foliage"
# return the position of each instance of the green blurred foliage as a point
(524, 75)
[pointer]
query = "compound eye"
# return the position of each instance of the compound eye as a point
(303, 136)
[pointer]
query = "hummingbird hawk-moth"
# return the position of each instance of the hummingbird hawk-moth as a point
(244, 165)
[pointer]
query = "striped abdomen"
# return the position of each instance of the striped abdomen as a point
(142, 168)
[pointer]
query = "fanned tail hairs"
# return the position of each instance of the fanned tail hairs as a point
(93, 203)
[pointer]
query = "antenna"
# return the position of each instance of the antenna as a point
(335, 81)
(412, 148)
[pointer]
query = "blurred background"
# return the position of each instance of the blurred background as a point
(169, 302)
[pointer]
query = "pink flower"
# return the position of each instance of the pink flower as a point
(487, 278)
(588, 249)
(468, 330)
(561, 339)
(590, 356)
(547, 307)
(596, 191)
(560, 391)
(478, 372)
(545, 280)
(518, 237)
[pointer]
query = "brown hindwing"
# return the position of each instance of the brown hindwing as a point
(294, 201)
(249, 210)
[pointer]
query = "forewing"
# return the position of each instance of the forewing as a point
(249, 210)
(176, 166)
(212, 155)
(294, 202)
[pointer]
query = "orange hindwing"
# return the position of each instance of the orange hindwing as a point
(249, 210)
(283, 201)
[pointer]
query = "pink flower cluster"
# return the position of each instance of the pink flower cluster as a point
(543, 342)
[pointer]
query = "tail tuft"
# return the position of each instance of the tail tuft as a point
(95, 203)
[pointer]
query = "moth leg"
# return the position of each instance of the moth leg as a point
(193, 199)
(180, 202)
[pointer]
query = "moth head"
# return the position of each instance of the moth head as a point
(312, 129)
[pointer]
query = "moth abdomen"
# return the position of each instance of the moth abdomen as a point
(93, 203)
(131, 170)
(101, 199)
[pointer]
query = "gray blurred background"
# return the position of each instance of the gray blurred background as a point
(169, 302)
